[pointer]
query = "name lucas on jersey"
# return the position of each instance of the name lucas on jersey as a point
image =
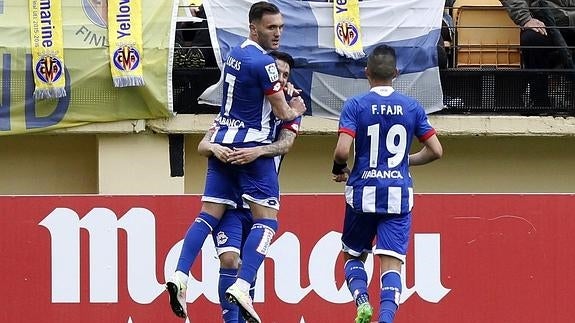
(233, 63)
(382, 109)
(376, 173)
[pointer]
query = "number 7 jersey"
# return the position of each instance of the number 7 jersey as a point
(246, 115)
(383, 123)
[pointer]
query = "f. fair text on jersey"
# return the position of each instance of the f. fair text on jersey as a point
(395, 109)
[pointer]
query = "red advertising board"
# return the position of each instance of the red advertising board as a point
(473, 258)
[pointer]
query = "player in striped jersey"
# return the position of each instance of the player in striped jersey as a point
(253, 99)
(379, 195)
(231, 232)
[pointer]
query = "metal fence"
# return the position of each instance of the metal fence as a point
(484, 73)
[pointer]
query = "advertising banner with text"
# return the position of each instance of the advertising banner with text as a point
(472, 258)
(80, 60)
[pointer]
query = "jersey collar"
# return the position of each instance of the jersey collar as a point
(249, 42)
(382, 90)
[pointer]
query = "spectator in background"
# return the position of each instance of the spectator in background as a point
(445, 54)
(202, 39)
(547, 32)
(193, 47)
(446, 37)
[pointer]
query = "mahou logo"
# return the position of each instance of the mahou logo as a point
(100, 259)
(139, 225)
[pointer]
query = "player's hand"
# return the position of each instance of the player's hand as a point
(241, 156)
(536, 25)
(290, 90)
(341, 177)
(298, 105)
(221, 152)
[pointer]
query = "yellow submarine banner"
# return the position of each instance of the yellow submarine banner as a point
(90, 94)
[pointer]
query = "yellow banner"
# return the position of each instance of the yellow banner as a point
(91, 95)
(347, 29)
(46, 42)
(125, 37)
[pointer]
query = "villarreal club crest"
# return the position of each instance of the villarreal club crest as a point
(49, 69)
(126, 58)
(347, 33)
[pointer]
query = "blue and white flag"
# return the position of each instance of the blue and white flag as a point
(412, 27)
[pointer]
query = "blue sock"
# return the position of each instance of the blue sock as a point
(389, 296)
(256, 247)
(194, 240)
(356, 279)
(230, 312)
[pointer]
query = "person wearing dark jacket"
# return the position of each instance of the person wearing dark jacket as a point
(547, 39)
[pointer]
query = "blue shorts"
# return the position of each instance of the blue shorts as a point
(256, 182)
(392, 231)
(232, 230)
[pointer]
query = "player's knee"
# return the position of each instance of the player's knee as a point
(216, 210)
(387, 263)
(229, 260)
(260, 211)
(347, 256)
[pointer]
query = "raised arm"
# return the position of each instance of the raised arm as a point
(286, 111)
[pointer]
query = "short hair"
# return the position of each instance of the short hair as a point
(381, 63)
(259, 9)
(283, 56)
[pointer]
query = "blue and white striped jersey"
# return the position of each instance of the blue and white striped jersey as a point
(383, 123)
(246, 115)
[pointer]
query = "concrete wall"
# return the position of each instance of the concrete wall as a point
(501, 165)
(49, 164)
(482, 155)
(136, 164)
(470, 164)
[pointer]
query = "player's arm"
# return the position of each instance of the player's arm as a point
(204, 147)
(209, 149)
(279, 147)
(340, 170)
(431, 151)
(268, 76)
(282, 109)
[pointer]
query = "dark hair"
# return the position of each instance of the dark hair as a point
(381, 63)
(259, 9)
(284, 57)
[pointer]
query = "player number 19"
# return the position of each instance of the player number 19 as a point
(396, 150)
